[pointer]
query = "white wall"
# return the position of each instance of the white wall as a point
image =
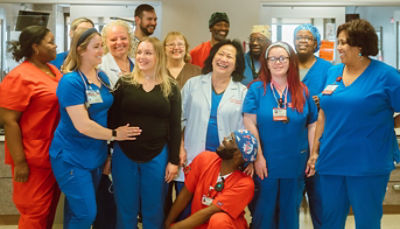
(191, 17)
(381, 16)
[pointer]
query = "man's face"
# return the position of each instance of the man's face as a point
(305, 43)
(219, 31)
(147, 23)
(229, 149)
(257, 43)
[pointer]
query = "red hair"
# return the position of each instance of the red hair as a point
(296, 87)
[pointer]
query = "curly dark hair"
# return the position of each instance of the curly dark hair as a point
(30, 35)
(237, 74)
(361, 34)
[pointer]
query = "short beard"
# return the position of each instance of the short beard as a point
(225, 153)
(145, 31)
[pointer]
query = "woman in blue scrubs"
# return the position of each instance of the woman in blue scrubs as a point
(279, 111)
(313, 74)
(79, 147)
(355, 135)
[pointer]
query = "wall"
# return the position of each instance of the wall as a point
(6, 205)
(192, 17)
(381, 16)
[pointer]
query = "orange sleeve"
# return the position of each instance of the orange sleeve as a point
(193, 55)
(234, 198)
(193, 171)
(15, 92)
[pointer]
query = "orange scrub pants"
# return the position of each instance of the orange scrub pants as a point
(36, 199)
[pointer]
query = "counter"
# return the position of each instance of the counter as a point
(6, 205)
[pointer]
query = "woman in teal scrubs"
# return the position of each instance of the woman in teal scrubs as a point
(355, 135)
(279, 111)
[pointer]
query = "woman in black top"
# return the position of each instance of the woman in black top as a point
(149, 99)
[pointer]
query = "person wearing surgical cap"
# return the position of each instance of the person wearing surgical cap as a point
(218, 188)
(313, 74)
(219, 28)
(312, 68)
(259, 40)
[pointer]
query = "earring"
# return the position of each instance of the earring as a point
(359, 54)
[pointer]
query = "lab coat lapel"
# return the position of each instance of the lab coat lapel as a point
(206, 88)
(109, 59)
(229, 92)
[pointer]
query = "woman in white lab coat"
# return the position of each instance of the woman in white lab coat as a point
(212, 103)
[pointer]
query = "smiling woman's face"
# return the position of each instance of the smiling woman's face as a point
(175, 48)
(118, 41)
(224, 61)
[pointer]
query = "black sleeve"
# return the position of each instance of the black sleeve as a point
(174, 141)
(115, 107)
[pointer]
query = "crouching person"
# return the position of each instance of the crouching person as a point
(218, 188)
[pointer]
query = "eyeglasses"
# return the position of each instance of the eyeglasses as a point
(173, 45)
(304, 38)
(340, 42)
(281, 59)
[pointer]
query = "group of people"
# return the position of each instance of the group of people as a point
(225, 129)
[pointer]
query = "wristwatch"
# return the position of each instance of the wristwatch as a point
(113, 135)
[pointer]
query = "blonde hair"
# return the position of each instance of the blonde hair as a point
(73, 60)
(161, 73)
(75, 23)
(173, 35)
(123, 24)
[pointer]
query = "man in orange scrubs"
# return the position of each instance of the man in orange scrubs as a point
(219, 190)
(219, 28)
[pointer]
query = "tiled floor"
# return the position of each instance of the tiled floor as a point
(388, 222)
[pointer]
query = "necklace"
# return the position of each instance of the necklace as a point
(125, 66)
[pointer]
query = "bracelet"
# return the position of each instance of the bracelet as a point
(113, 135)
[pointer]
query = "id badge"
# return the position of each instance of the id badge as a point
(206, 200)
(329, 89)
(279, 114)
(93, 96)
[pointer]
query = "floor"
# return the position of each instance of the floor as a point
(388, 222)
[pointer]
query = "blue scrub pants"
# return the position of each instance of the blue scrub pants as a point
(314, 200)
(365, 194)
(139, 186)
(278, 202)
(79, 186)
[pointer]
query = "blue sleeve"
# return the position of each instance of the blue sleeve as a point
(251, 101)
(392, 88)
(71, 90)
(326, 68)
(59, 61)
(313, 110)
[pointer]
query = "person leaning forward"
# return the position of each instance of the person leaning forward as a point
(218, 188)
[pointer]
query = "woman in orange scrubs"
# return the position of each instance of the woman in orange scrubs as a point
(29, 110)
